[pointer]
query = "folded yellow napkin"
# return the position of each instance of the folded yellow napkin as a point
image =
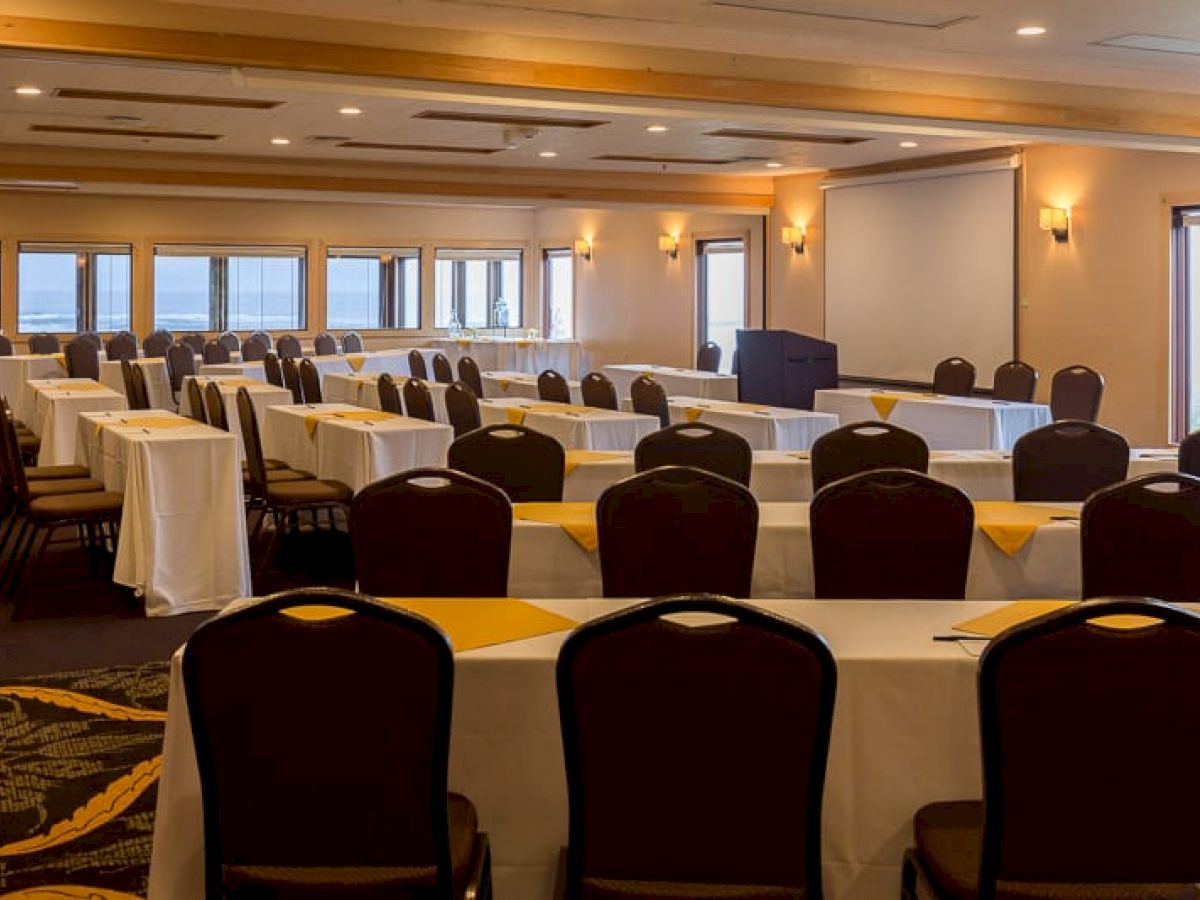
(576, 519)
(77, 386)
(236, 382)
(60, 358)
(463, 342)
(524, 344)
(516, 414)
(1010, 525)
(357, 415)
(692, 413)
(993, 623)
(885, 402)
(356, 361)
(505, 383)
(151, 423)
(575, 458)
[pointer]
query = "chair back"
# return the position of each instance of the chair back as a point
(83, 359)
(262, 336)
(708, 357)
(214, 405)
(325, 344)
(195, 341)
(1066, 461)
(891, 533)
(469, 374)
(1189, 454)
(699, 445)
(418, 403)
(216, 353)
(954, 376)
(230, 341)
(136, 394)
(863, 446)
(12, 469)
(695, 754)
(196, 404)
(443, 373)
(156, 343)
(44, 343)
(272, 368)
(291, 809)
(1015, 381)
(461, 548)
(254, 350)
(6, 346)
(674, 530)
(462, 406)
(1075, 393)
(389, 395)
(1117, 707)
(92, 338)
(599, 391)
(181, 361)
(526, 464)
(310, 380)
(352, 342)
(256, 467)
(553, 388)
(121, 345)
(289, 347)
(416, 365)
(649, 399)
(291, 378)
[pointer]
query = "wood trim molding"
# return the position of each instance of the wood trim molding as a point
(922, 163)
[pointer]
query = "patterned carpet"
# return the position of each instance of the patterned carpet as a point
(80, 754)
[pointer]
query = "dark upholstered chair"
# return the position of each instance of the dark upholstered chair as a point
(44, 343)
(462, 407)
(649, 399)
(288, 347)
(353, 804)
(121, 345)
(676, 529)
(291, 378)
(1113, 818)
(216, 353)
(954, 376)
(272, 367)
(6, 345)
(195, 341)
(325, 344)
(891, 533)
(181, 362)
(352, 342)
(1015, 381)
(263, 337)
(863, 446)
(389, 395)
(708, 357)
(195, 401)
(1075, 393)
(1067, 461)
(526, 464)
(418, 402)
(553, 388)
(214, 406)
(698, 445)
(136, 394)
(230, 341)
(83, 359)
(156, 344)
(442, 371)
(416, 365)
(455, 511)
(94, 339)
(719, 795)
(310, 381)
(254, 350)
(598, 391)
(1189, 454)
(469, 374)
(1139, 539)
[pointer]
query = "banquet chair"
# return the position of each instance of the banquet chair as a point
(264, 337)
(325, 344)
(1075, 393)
(92, 338)
(863, 446)
(291, 378)
(456, 511)
(254, 350)
(216, 354)
(598, 391)
(416, 365)
(310, 380)
(1014, 381)
(418, 404)
(699, 445)
(156, 344)
(1189, 454)
(272, 368)
(442, 372)
(214, 406)
(352, 342)
(649, 399)
(195, 397)
(230, 341)
(462, 407)
(1138, 539)
(954, 376)
(194, 340)
(891, 533)
(44, 343)
(676, 529)
(708, 357)
(134, 379)
(181, 362)
(1066, 461)
(288, 347)
(353, 803)
(526, 464)
(469, 374)
(389, 395)
(6, 345)
(695, 753)
(553, 388)
(1116, 818)
(121, 345)
(83, 359)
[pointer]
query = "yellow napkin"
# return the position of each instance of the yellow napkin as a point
(516, 414)
(152, 423)
(1010, 525)
(524, 344)
(576, 519)
(463, 342)
(77, 386)
(505, 383)
(884, 403)
(60, 358)
(236, 382)
(575, 458)
(358, 415)
(692, 413)
(470, 623)
(356, 361)
(991, 624)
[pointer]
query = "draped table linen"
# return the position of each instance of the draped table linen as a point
(154, 368)
(764, 427)
(261, 394)
(684, 382)
(517, 354)
(363, 390)
(17, 371)
(575, 427)
(57, 404)
(497, 385)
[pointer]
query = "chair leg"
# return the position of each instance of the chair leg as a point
(23, 595)
(20, 554)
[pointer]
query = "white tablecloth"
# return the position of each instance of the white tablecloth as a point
(684, 382)
(57, 403)
(393, 360)
(595, 429)
(517, 354)
(354, 453)
(765, 427)
(946, 423)
(363, 390)
(183, 529)
(262, 395)
(325, 366)
(497, 385)
(158, 384)
(905, 733)
(15, 371)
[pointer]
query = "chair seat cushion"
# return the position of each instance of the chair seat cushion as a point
(309, 491)
(280, 475)
(28, 441)
(616, 889)
(55, 486)
(93, 505)
(42, 473)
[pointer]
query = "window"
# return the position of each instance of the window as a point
(558, 290)
(204, 288)
(721, 292)
(73, 287)
(369, 288)
(1186, 289)
(478, 289)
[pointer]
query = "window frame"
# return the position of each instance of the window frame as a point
(700, 245)
(494, 280)
(86, 288)
(392, 290)
(550, 251)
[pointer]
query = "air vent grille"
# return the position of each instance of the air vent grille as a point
(841, 11)
(750, 134)
(126, 132)
(418, 148)
(172, 99)
(518, 121)
(677, 160)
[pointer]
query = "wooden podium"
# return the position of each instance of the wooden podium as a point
(783, 368)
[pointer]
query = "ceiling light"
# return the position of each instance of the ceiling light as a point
(1031, 30)
(774, 165)
(280, 141)
(548, 154)
(657, 129)
(909, 145)
(350, 111)
(28, 90)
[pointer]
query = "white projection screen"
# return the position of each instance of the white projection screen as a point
(920, 269)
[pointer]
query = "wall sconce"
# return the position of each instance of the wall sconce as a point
(1057, 221)
(583, 249)
(669, 244)
(794, 236)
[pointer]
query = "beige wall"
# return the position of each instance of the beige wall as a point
(796, 298)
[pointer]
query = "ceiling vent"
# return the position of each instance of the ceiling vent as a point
(126, 132)
(1155, 43)
(752, 135)
(518, 121)
(171, 99)
(418, 148)
(677, 160)
(840, 11)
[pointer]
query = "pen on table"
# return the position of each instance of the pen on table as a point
(960, 637)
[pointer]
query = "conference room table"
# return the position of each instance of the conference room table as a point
(905, 733)
(684, 382)
(532, 355)
(18, 370)
(261, 394)
(363, 390)
(946, 423)
(57, 403)
(350, 444)
(154, 369)
(182, 544)
(325, 366)
(763, 427)
(394, 360)
(575, 427)
(497, 385)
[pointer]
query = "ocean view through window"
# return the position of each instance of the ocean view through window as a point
(73, 287)
(218, 288)
(477, 289)
(369, 288)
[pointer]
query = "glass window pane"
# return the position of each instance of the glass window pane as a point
(443, 283)
(181, 293)
(482, 286)
(73, 287)
(264, 293)
(352, 289)
(477, 294)
(410, 292)
(510, 294)
(1193, 289)
(560, 299)
(725, 296)
(112, 273)
(46, 292)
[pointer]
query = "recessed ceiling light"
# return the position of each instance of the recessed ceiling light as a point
(774, 165)
(280, 141)
(351, 111)
(548, 154)
(1031, 30)
(909, 145)
(28, 90)
(657, 129)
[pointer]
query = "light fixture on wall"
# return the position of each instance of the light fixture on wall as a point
(583, 249)
(1057, 221)
(669, 244)
(794, 236)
